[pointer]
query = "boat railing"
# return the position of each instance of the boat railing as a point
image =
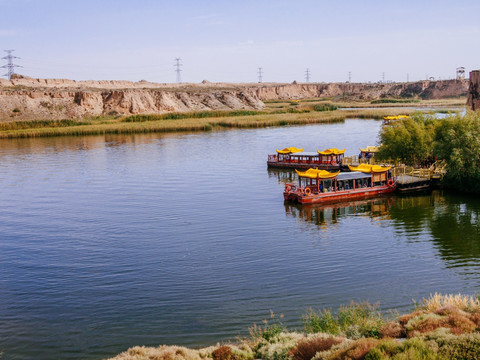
(408, 174)
(356, 160)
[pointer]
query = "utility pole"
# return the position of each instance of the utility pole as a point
(349, 76)
(260, 75)
(307, 75)
(178, 70)
(10, 66)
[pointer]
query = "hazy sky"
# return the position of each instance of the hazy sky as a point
(229, 40)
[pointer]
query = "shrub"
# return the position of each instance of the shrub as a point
(321, 322)
(411, 349)
(277, 347)
(325, 107)
(423, 323)
(392, 329)
(393, 101)
(306, 349)
(356, 351)
(222, 353)
(457, 321)
(16, 110)
(464, 347)
(354, 320)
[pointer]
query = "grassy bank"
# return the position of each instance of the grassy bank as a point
(193, 121)
(441, 327)
(154, 123)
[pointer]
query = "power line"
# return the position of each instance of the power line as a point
(178, 70)
(260, 75)
(10, 66)
(307, 75)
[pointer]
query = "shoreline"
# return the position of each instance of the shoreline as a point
(441, 327)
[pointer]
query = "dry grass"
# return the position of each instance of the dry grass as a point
(163, 353)
(463, 302)
(449, 317)
(392, 329)
(119, 126)
(356, 351)
(308, 348)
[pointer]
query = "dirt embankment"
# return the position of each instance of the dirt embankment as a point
(23, 98)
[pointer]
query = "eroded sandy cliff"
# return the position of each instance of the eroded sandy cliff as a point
(24, 98)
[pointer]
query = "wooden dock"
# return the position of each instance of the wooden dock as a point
(410, 179)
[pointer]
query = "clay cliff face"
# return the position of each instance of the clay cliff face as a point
(24, 98)
(422, 89)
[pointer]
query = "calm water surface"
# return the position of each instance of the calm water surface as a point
(113, 241)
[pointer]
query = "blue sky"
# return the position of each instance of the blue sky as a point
(229, 40)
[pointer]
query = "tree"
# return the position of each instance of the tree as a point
(408, 140)
(457, 141)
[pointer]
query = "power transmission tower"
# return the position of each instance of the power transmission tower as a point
(10, 66)
(383, 77)
(178, 70)
(349, 76)
(307, 75)
(260, 75)
(408, 77)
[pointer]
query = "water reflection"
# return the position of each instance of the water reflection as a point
(283, 176)
(455, 229)
(80, 143)
(449, 222)
(327, 216)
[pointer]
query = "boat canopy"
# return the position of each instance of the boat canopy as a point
(366, 168)
(290, 150)
(370, 149)
(332, 151)
(353, 175)
(317, 174)
(396, 117)
(303, 153)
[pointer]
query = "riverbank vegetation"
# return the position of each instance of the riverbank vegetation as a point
(454, 140)
(279, 113)
(441, 327)
(180, 122)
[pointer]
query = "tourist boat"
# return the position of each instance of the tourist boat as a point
(368, 153)
(316, 186)
(388, 119)
(293, 158)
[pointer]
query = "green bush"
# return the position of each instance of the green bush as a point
(325, 107)
(393, 101)
(321, 322)
(461, 347)
(413, 349)
(354, 321)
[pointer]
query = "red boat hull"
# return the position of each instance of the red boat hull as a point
(337, 196)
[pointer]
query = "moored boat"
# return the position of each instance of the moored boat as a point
(294, 158)
(388, 119)
(320, 186)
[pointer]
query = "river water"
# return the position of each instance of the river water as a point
(112, 241)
